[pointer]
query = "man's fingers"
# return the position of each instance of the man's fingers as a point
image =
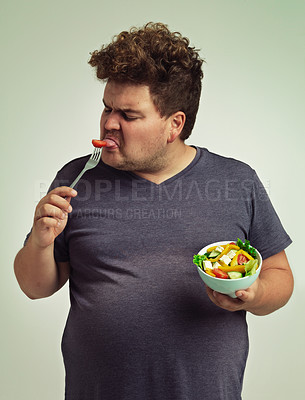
(64, 191)
(46, 222)
(58, 201)
(224, 301)
(51, 215)
(55, 203)
(49, 210)
(61, 197)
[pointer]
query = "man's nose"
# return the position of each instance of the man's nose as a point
(112, 122)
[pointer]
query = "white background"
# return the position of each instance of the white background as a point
(252, 108)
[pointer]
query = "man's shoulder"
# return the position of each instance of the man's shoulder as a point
(66, 174)
(74, 164)
(224, 165)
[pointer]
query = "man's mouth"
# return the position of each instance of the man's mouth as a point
(111, 143)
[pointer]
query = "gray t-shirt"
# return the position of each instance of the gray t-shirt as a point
(141, 326)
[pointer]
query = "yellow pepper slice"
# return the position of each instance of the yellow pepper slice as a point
(211, 248)
(226, 268)
(209, 272)
(234, 261)
(225, 251)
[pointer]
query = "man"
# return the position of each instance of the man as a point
(141, 324)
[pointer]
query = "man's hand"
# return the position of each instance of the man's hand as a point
(243, 301)
(51, 216)
(271, 290)
(36, 270)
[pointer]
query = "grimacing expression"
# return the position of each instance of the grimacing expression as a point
(140, 135)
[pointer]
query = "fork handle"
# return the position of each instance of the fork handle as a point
(77, 179)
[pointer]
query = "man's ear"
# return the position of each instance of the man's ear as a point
(177, 121)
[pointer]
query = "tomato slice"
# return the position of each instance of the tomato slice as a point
(242, 259)
(98, 143)
(220, 274)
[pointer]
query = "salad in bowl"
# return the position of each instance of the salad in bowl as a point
(228, 266)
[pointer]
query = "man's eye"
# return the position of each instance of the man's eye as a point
(107, 110)
(128, 118)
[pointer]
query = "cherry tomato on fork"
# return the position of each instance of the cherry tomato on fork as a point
(98, 143)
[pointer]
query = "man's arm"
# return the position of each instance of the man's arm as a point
(271, 290)
(37, 273)
(35, 268)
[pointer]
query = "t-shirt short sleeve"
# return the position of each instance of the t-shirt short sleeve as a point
(266, 231)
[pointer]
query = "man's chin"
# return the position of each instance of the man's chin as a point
(113, 162)
(117, 161)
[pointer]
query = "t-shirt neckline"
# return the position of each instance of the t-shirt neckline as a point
(198, 155)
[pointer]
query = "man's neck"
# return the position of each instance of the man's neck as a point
(178, 160)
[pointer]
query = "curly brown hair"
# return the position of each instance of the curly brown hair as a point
(162, 60)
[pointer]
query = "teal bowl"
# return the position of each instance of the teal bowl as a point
(228, 286)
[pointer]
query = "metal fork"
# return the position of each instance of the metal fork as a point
(91, 163)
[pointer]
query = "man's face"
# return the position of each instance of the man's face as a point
(139, 133)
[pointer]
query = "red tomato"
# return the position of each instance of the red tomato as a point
(242, 259)
(220, 274)
(98, 143)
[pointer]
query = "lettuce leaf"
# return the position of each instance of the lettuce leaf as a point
(246, 247)
(198, 259)
(250, 267)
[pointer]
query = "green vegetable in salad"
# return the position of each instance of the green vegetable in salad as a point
(235, 275)
(250, 267)
(246, 247)
(198, 259)
(213, 254)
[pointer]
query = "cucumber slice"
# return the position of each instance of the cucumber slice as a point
(235, 275)
(214, 253)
